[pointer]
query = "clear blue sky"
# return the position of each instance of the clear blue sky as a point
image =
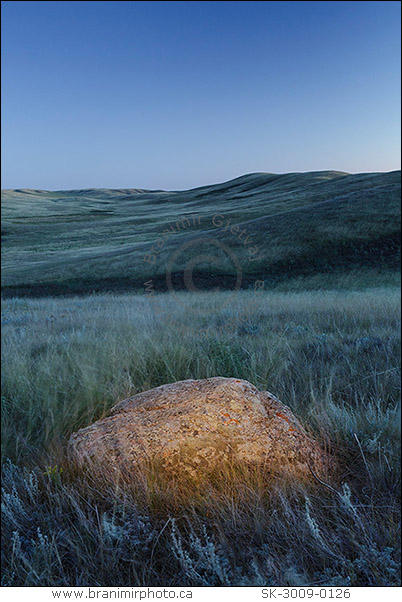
(180, 94)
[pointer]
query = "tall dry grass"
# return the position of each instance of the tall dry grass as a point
(332, 356)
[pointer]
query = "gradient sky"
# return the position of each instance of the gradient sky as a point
(179, 94)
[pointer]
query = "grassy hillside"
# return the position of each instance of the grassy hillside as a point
(333, 356)
(305, 225)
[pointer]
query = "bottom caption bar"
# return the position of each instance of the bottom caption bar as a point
(210, 594)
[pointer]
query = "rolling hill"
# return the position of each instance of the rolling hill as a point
(315, 225)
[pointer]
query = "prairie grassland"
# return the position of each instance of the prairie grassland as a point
(332, 356)
(75, 241)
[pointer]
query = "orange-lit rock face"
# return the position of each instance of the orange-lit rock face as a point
(194, 425)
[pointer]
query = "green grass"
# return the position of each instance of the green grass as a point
(332, 356)
(311, 225)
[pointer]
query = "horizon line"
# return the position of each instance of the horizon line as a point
(254, 173)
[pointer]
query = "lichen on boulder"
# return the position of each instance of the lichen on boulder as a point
(193, 426)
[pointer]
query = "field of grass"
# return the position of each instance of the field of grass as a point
(303, 225)
(331, 355)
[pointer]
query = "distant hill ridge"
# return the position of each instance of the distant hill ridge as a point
(263, 177)
(306, 225)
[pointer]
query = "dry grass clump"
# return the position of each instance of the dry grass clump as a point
(59, 529)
